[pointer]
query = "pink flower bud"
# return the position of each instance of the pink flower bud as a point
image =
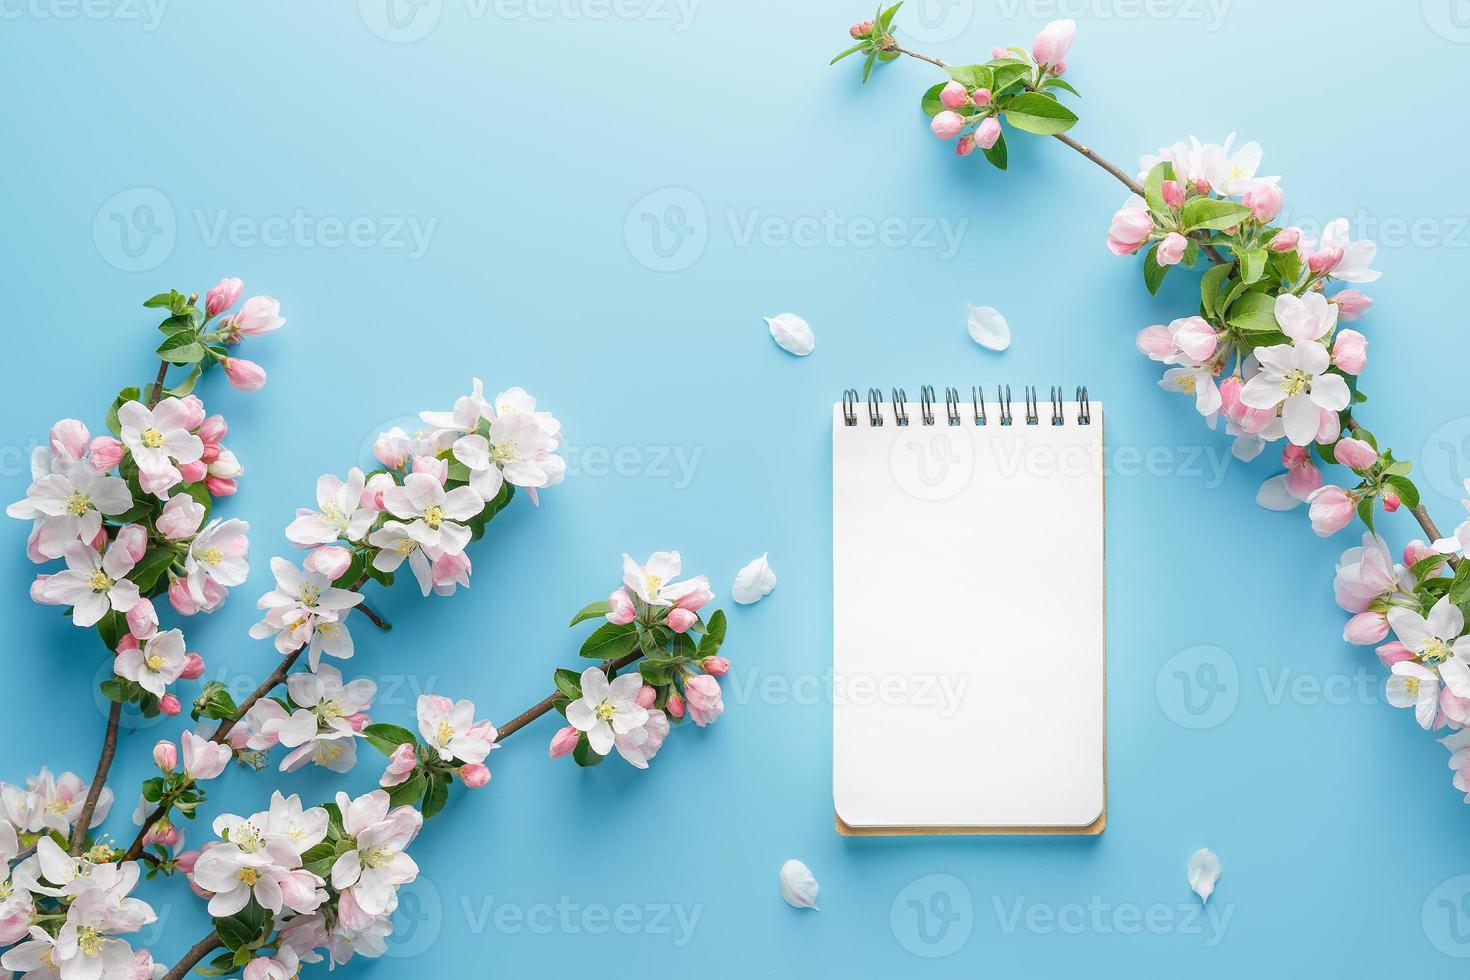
(1052, 43)
(997, 53)
(1156, 341)
(180, 598)
(981, 96)
(142, 619)
(954, 95)
(964, 146)
(133, 540)
(195, 411)
(222, 295)
(213, 429)
(1265, 201)
(1230, 403)
(70, 438)
(193, 666)
(432, 465)
(169, 704)
(181, 517)
(260, 314)
(165, 755)
(194, 472)
(474, 775)
(1393, 652)
(564, 741)
(718, 666)
(1195, 337)
(1171, 249)
(1173, 194)
(185, 862)
(675, 705)
(1350, 351)
(947, 124)
(127, 643)
(1060, 68)
(218, 486)
(646, 696)
(1130, 228)
(987, 133)
(620, 608)
(1201, 186)
(331, 560)
(1391, 501)
(705, 701)
(1366, 629)
(1324, 260)
(99, 540)
(681, 619)
(861, 29)
(107, 452)
(1356, 454)
(1331, 510)
(1285, 240)
(1351, 304)
(1416, 551)
(244, 375)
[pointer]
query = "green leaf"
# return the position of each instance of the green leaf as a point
(153, 789)
(436, 795)
(181, 348)
(997, 154)
(112, 627)
(222, 965)
(886, 17)
(386, 738)
(1063, 85)
(868, 65)
(714, 635)
(154, 563)
(1252, 264)
(590, 611)
(930, 102)
(1153, 187)
(1286, 266)
(320, 858)
(114, 689)
(1043, 115)
(129, 394)
(1254, 313)
(186, 386)
(1426, 568)
(1007, 73)
(610, 641)
(242, 929)
(852, 50)
(972, 76)
(569, 683)
(1208, 212)
(1365, 511)
(1153, 273)
(161, 301)
(1209, 288)
(658, 672)
(1405, 488)
(583, 755)
(407, 792)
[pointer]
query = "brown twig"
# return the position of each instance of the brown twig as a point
(545, 704)
(99, 779)
(197, 952)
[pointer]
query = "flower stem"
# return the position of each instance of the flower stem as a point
(197, 952)
(545, 704)
(99, 779)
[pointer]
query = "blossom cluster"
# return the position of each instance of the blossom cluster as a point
(128, 512)
(65, 916)
(654, 619)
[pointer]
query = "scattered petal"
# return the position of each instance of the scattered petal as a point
(792, 333)
(1274, 495)
(753, 581)
(1204, 871)
(988, 328)
(798, 885)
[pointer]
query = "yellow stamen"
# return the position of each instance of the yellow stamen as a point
(248, 875)
(1295, 381)
(78, 503)
(310, 594)
(98, 581)
(154, 662)
(434, 516)
(90, 941)
(1436, 651)
(445, 733)
(152, 438)
(211, 556)
(652, 583)
(605, 711)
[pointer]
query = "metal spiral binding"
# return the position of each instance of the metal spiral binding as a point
(952, 412)
(926, 403)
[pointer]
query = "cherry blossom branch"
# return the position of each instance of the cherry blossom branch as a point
(549, 702)
(191, 959)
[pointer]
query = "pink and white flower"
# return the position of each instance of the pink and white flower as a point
(154, 665)
(68, 504)
(340, 512)
(372, 871)
(159, 439)
(449, 728)
(1295, 376)
(606, 708)
(92, 584)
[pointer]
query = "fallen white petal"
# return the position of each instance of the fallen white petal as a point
(988, 328)
(753, 581)
(1273, 495)
(1204, 871)
(798, 885)
(792, 333)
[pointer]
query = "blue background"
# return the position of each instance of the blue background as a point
(531, 144)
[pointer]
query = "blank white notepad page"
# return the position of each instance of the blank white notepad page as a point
(969, 639)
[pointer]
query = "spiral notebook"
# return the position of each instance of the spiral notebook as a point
(968, 614)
